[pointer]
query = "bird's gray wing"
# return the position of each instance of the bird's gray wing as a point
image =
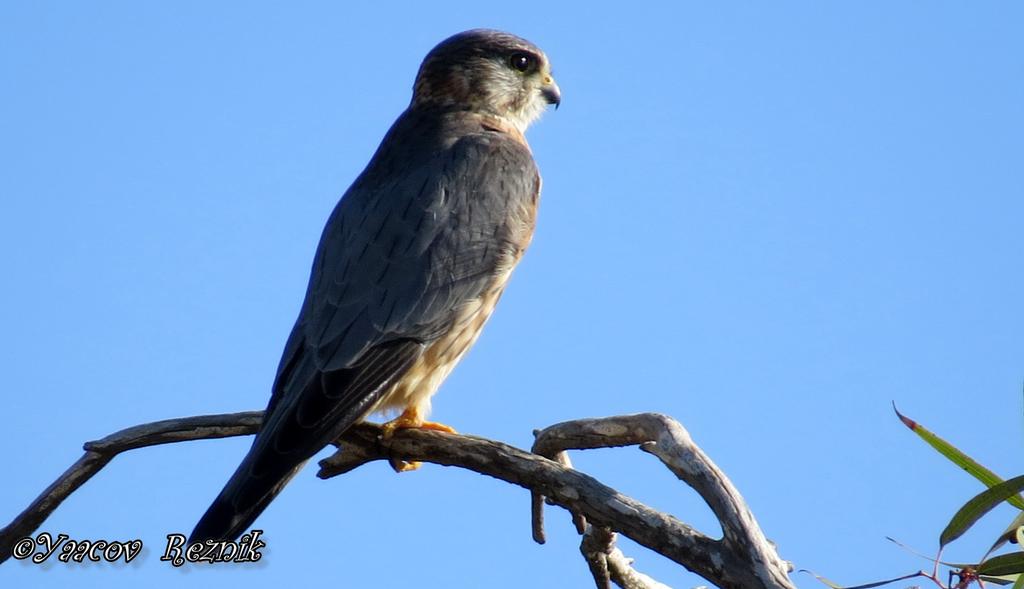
(396, 266)
(402, 250)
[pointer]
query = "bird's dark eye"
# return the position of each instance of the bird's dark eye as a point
(522, 62)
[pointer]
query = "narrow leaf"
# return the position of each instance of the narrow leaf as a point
(973, 468)
(867, 586)
(831, 584)
(1004, 580)
(978, 506)
(930, 559)
(1004, 564)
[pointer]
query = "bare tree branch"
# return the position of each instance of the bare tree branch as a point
(626, 576)
(100, 452)
(607, 563)
(719, 561)
(722, 562)
(667, 439)
(565, 487)
(596, 545)
(537, 500)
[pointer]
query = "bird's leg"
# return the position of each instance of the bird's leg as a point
(411, 419)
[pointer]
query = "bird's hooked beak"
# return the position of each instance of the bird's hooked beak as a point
(550, 91)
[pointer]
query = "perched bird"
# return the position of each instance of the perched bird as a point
(409, 267)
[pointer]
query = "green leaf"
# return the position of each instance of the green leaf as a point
(1019, 583)
(1003, 580)
(1004, 564)
(986, 476)
(978, 506)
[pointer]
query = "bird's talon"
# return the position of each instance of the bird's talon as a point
(401, 466)
(438, 427)
(389, 430)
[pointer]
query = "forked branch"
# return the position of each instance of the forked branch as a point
(743, 558)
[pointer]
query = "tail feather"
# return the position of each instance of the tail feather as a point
(241, 501)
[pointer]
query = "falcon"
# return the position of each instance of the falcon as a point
(410, 265)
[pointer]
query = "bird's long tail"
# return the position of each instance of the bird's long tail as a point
(242, 500)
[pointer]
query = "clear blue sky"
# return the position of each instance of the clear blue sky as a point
(766, 221)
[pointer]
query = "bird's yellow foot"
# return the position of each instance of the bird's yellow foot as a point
(438, 427)
(411, 419)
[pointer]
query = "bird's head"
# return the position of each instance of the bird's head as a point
(488, 72)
